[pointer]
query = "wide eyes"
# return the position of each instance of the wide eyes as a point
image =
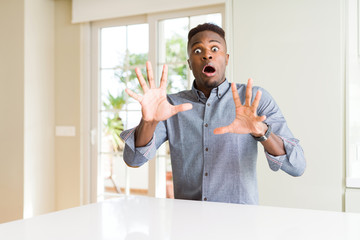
(213, 49)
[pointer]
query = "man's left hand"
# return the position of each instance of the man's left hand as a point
(246, 119)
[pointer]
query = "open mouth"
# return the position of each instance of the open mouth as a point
(209, 70)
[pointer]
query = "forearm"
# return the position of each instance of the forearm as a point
(274, 145)
(144, 133)
(136, 156)
(293, 162)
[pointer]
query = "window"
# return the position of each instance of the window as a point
(118, 47)
(120, 51)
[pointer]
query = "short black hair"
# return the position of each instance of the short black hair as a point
(206, 27)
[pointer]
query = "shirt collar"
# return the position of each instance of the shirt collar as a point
(219, 91)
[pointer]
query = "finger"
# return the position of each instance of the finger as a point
(150, 74)
(141, 80)
(255, 104)
(261, 118)
(248, 93)
(164, 74)
(222, 130)
(235, 95)
(181, 108)
(134, 95)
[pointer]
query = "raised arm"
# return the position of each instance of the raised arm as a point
(154, 105)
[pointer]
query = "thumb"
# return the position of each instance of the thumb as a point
(222, 130)
(261, 118)
(181, 108)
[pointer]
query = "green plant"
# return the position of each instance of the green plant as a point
(114, 124)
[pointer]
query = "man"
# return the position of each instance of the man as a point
(213, 129)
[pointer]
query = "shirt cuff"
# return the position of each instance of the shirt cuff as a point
(275, 162)
(146, 151)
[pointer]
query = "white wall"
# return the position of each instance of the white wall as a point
(39, 116)
(12, 109)
(294, 49)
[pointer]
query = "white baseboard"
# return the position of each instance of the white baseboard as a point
(352, 200)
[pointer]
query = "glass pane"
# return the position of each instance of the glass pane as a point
(138, 44)
(112, 46)
(113, 86)
(117, 176)
(176, 49)
(138, 178)
(164, 149)
(177, 78)
(169, 179)
(111, 173)
(112, 124)
(173, 40)
(133, 105)
(135, 86)
(133, 83)
(133, 119)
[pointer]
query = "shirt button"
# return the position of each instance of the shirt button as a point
(205, 199)
(206, 149)
(206, 174)
(206, 125)
(219, 94)
(208, 104)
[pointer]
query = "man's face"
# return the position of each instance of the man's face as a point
(207, 59)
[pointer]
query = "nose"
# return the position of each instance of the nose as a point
(207, 55)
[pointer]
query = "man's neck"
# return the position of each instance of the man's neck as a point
(206, 90)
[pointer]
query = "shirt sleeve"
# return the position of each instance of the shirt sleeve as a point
(293, 162)
(137, 156)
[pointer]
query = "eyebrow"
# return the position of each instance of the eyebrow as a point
(209, 41)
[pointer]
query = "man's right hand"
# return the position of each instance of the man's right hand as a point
(154, 104)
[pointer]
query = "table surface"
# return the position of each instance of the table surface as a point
(138, 218)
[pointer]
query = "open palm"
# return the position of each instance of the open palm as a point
(154, 104)
(246, 119)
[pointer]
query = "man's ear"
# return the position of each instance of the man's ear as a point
(227, 59)
(190, 64)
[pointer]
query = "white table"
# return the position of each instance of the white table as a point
(138, 218)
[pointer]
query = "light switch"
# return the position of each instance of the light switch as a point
(65, 131)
